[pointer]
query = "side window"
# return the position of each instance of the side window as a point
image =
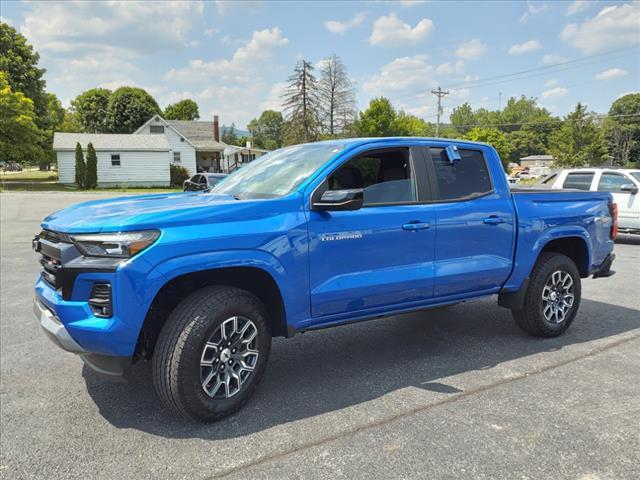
(612, 182)
(385, 177)
(195, 179)
(465, 178)
(203, 179)
(115, 160)
(176, 157)
(578, 180)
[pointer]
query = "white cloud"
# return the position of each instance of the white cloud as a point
(225, 7)
(449, 68)
(550, 58)
(391, 31)
(551, 83)
(555, 93)
(401, 75)
(210, 32)
(614, 26)
(611, 73)
(335, 26)
(529, 46)
(532, 10)
(243, 65)
(5, 20)
(412, 3)
(274, 97)
(577, 6)
(66, 28)
(226, 40)
(471, 50)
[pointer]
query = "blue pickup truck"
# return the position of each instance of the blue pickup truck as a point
(307, 237)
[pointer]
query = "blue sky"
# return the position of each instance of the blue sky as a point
(234, 57)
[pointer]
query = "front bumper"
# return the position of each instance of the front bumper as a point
(54, 328)
(112, 367)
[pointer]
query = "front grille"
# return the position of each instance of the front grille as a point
(52, 247)
(50, 267)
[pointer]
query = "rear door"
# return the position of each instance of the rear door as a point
(475, 224)
(380, 256)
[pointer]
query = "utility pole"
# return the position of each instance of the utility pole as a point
(440, 94)
(499, 100)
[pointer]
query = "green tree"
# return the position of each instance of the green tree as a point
(230, 136)
(493, 137)
(91, 178)
(20, 137)
(266, 130)
(463, 118)
(81, 167)
(524, 143)
(185, 109)
(70, 123)
(406, 125)
(50, 122)
(579, 141)
(19, 62)
(622, 130)
(300, 101)
(129, 108)
(90, 108)
(378, 120)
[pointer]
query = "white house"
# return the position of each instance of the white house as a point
(196, 145)
(132, 160)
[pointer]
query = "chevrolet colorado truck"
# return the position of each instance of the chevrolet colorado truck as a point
(303, 238)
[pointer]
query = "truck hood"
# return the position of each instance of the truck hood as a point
(150, 211)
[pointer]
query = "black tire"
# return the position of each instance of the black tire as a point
(531, 318)
(180, 346)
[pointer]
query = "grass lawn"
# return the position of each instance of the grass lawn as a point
(37, 181)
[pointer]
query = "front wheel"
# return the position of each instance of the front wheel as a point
(211, 353)
(553, 297)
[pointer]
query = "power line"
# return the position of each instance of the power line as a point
(440, 94)
(555, 120)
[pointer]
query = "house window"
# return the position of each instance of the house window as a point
(156, 128)
(115, 160)
(176, 157)
(182, 139)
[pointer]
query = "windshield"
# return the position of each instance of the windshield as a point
(278, 173)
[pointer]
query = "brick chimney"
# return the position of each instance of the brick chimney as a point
(216, 129)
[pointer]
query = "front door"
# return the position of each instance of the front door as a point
(380, 256)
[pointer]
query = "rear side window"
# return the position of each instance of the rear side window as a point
(465, 178)
(613, 182)
(549, 180)
(578, 180)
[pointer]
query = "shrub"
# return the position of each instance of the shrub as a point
(80, 167)
(91, 179)
(178, 175)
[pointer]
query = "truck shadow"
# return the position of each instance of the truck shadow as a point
(325, 371)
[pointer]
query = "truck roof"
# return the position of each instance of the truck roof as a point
(367, 140)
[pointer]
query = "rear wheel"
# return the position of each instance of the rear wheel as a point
(211, 353)
(553, 297)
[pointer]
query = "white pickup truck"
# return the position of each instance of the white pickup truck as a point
(623, 184)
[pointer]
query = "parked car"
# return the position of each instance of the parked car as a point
(304, 238)
(203, 181)
(12, 167)
(623, 184)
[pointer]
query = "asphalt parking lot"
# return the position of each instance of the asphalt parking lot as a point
(454, 393)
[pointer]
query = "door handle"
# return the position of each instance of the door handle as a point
(493, 220)
(415, 226)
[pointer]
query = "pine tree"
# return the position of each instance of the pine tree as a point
(91, 180)
(336, 96)
(300, 102)
(81, 168)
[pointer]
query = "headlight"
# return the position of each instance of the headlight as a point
(119, 245)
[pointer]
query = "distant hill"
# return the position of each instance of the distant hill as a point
(240, 133)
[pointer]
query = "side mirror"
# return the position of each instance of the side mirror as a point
(453, 154)
(339, 200)
(629, 188)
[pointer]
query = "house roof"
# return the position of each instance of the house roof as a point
(544, 158)
(200, 133)
(110, 141)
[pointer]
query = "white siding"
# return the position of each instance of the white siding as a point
(137, 168)
(187, 151)
(66, 167)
